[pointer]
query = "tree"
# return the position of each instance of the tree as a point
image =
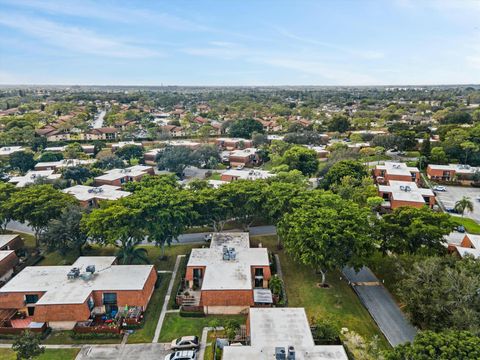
(325, 331)
(246, 199)
(339, 123)
(302, 159)
(50, 156)
(130, 253)
(207, 156)
(37, 205)
(354, 169)
(326, 232)
(442, 293)
(73, 151)
(22, 161)
(176, 159)
(65, 234)
(79, 174)
(259, 139)
(445, 345)
(468, 147)
(244, 128)
(212, 208)
(231, 328)
(438, 156)
(409, 230)
(129, 152)
(358, 191)
(6, 191)
(110, 162)
(27, 346)
(426, 148)
(464, 204)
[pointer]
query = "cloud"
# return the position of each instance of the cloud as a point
(75, 39)
(365, 54)
(109, 12)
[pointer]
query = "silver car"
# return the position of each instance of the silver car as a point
(185, 343)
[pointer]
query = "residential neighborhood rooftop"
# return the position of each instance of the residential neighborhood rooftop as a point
(273, 328)
(6, 238)
(233, 274)
(8, 150)
(397, 168)
(31, 176)
(103, 192)
(60, 289)
(132, 171)
(64, 163)
(248, 174)
(459, 168)
(5, 253)
(405, 191)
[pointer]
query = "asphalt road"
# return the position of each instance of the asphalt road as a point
(381, 306)
(182, 239)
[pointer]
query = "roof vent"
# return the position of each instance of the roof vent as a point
(280, 353)
(226, 254)
(291, 353)
(90, 269)
(73, 273)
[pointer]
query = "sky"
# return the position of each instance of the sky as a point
(240, 42)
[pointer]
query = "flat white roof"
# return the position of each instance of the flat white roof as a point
(459, 168)
(216, 183)
(104, 192)
(32, 175)
(228, 274)
(463, 251)
(232, 139)
(5, 253)
(6, 238)
(65, 163)
(248, 174)
(115, 174)
(397, 168)
(121, 144)
(244, 152)
(182, 143)
(405, 191)
(7, 150)
(282, 327)
(58, 289)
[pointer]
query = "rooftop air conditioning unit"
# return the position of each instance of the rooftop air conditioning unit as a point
(90, 269)
(73, 273)
(291, 353)
(280, 353)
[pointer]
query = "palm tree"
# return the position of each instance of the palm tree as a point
(464, 204)
(130, 253)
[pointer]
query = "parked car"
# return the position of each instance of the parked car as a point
(182, 355)
(240, 167)
(451, 210)
(460, 228)
(186, 342)
(439, 188)
(207, 238)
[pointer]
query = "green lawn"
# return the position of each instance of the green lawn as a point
(338, 303)
(65, 337)
(175, 326)
(49, 354)
(470, 225)
(146, 333)
(154, 255)
(176, 283)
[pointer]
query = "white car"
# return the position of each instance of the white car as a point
(439, 188)
(185, 342)
(182, 355)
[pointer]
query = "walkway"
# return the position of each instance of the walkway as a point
(381, 306)
(167, 298)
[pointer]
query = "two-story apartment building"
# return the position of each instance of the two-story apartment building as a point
(118, 177)
(395, 171)
(244, 157)
(61, 296)
(90, 196)
(405, 193)
(233, 143)
(453, 172)
(230, 276)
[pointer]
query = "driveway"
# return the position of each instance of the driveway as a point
(455, 193)
(118, 352)
(381, 306)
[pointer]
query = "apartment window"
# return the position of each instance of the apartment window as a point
(90, 303)
(31, 299)
(109, 298)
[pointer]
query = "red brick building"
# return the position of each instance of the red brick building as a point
(405, 193)
(233, 143)
(118, 177)
(395, 171)
(61, 296)
(11, 242)
(452, 172)
(230, 276)
(8, 261)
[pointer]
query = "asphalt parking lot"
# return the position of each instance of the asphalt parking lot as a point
(154, 351)
(455, 193)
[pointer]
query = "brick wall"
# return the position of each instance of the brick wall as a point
(8, 263)
(227, 298)
(61, 312)
(15, 244)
